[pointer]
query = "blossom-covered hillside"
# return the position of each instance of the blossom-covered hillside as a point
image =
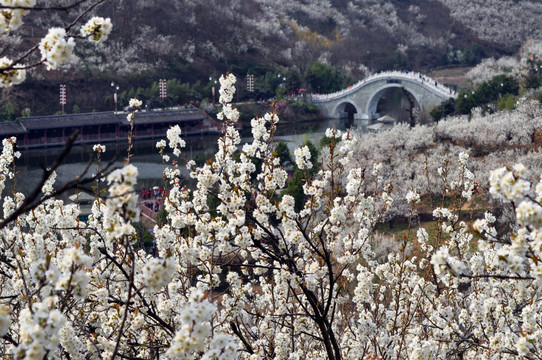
(193, 39)
(347, 33)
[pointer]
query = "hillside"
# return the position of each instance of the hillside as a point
(191, 40)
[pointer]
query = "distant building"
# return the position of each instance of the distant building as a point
(54, 130)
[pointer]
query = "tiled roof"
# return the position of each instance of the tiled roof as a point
(67, 121)
(154, 117)
(11, 128)
(23, 125)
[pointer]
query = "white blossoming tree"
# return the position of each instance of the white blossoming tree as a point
(249, 277)
(252, 278)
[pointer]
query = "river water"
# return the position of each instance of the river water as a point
(146, 157)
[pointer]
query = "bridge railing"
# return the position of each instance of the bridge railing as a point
(419, 78)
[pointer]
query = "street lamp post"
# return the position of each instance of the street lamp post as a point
(213, 87)
(116, 88)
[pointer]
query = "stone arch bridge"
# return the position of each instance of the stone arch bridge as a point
(362, 98)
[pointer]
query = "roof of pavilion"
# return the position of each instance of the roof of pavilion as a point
(157, 117)
(11, 128)
(68, 121)
(23, 125)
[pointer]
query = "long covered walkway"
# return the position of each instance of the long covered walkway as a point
(54, 130)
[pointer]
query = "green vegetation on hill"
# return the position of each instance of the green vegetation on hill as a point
(499, 93)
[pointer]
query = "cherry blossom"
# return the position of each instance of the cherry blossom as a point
(97, 29)
(55, 49)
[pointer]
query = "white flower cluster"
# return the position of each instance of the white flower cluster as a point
(465, 182)
(157, 273)
(73, 276)
(529, 213)
(39, 329)
(512, 184)
(121, 202)
(483, 226)
(99, 148)
(228, 112)
(303, 157)
(55, 49)
(11, 19)
(227, 88)
(523, 346)
(509, 184)
(134, 104)
(161, 145)
(47, 188)
(333, 133)
(195, 329)
(10, 77)
(377, 168)
(175, 141)
(412, 197)
(444, 263)
(97, 29)
(423, 240)
(423, 349)
(346, 145)
(516, 258)
(71, 343)
(6, 160)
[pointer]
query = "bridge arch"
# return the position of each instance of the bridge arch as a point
(348, 107)
(365, 95)
(372, 104)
